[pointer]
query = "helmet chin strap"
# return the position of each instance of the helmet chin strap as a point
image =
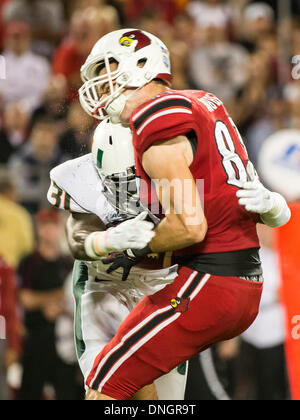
(115, 108)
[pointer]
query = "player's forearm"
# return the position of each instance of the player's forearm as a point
(173, 234)
(168, 165)
(78, 229)
(89, 243)
(76, 241)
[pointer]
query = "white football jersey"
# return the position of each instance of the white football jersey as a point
(103, 301)
(76, 187)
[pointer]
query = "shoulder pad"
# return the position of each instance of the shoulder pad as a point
(163, 118)
(59, 198)
(166, 105)
(79, 179)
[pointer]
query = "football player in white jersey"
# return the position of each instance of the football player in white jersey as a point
(100, 192)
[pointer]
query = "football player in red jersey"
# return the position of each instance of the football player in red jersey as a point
(179, 137)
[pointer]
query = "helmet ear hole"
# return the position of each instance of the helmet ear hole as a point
(142, 62)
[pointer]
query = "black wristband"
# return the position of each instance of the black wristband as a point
(139, 253)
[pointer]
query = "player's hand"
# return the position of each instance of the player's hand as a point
(121, 260)
(254, 196)
(135, 234)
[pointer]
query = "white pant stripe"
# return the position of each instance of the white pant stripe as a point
(155, 331)
(187, 284)
(136, 347)
(140, 325)
(200, 286)
(129, 334)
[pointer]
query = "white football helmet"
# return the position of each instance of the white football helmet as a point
(139, 57)
(112, 150)
(113, 157)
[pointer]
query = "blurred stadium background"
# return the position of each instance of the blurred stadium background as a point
(248, 54)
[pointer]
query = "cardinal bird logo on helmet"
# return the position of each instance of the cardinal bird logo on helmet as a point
(180, 305)
(129, 37)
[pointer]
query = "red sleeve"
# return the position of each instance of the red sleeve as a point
(9, 308)
(163, 118)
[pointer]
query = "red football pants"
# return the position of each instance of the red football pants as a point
(193, 313)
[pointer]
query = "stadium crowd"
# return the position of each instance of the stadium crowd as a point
(238, 49)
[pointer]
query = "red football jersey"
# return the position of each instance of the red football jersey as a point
(220, 161)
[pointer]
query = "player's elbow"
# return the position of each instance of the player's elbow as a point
(76, 246)
(77, 253)
(197, 233)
